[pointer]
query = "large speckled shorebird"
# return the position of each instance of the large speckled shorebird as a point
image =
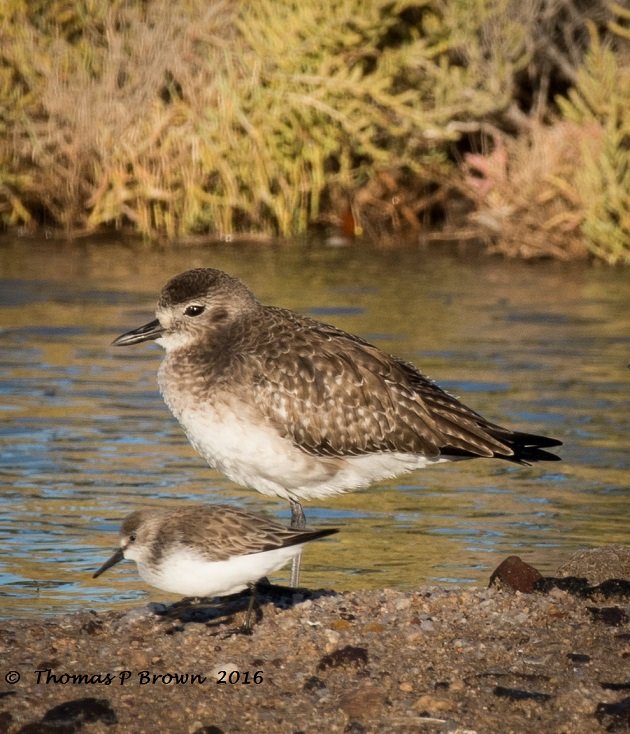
(293, 407)
(207, 550)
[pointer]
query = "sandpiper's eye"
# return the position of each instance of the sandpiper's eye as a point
(132, 538)
(194, 310)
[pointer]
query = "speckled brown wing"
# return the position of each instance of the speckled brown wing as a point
(334, 394)
(223, 531)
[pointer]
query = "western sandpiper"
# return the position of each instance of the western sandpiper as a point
(208, 550)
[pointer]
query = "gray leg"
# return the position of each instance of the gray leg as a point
(247, 627)
(298, 522)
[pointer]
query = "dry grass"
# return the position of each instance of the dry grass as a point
(520, 205)
(103, 138)
(266, 117)
(563, 189)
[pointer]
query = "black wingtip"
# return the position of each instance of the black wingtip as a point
(533, 454)
(301, 537)
(325, 532)
(529, 448)
(309, 535)
(540, 442)
(519, 448)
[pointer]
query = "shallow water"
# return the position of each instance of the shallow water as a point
(85, 437)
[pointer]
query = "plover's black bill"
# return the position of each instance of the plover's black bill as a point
(152, 330)
(117, 557)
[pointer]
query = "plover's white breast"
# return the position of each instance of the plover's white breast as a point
(252, 453)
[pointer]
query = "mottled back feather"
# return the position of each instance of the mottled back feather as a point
(334, 394)
(219, 532)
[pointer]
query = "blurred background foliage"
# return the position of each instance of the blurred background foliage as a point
(504, 120)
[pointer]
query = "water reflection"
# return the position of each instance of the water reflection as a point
(85, 437)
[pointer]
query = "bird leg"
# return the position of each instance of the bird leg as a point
(298, 522)
(247, 627)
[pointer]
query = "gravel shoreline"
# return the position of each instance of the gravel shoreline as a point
(431, 660)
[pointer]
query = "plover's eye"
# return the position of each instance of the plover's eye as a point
(194, 310)
(132, 538)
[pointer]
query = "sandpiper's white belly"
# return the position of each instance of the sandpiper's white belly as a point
(253, 454)
(185, 572)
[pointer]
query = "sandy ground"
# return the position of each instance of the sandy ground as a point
(432, 660)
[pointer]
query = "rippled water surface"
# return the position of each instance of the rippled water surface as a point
(85, 437)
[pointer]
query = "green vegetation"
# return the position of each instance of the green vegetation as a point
(268, 117)
(600, 105)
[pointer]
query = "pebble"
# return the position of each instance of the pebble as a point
(363, 702)
(341, 624)
(218, 669)
(375, 627)
(431, 704)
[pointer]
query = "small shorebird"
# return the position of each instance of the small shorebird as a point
(296, 408)
(208, 550)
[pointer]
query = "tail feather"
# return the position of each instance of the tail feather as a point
(528, 447)
(521, 448)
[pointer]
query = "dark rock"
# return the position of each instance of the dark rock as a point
(613, 616)
(92, 627)
(613, 587)
(580, 586)
(515, 574)
(313, 684)
(578, 657)
(73, 714)
(69, 717)
(625, 686)
(517, 694)
(354, 727)
(619, 712)
(572, 584)
(46, 664)
(211, 729)
(347, 655)
(48, 727)
(174, 629)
